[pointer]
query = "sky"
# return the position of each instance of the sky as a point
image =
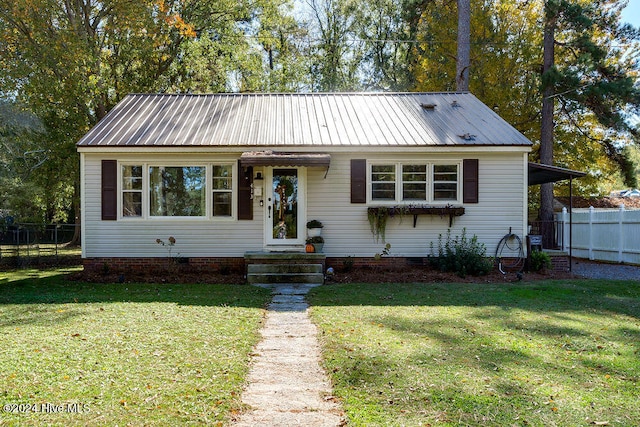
(631, 13)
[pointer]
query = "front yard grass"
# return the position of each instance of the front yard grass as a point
(554, 353)
(123, 354)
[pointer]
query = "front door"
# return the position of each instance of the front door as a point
(285, 208)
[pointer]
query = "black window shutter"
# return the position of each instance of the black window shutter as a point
(109, 190)
(245, 203)
(470, 181)
(358, 181)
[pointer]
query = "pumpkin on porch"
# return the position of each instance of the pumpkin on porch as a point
(309, 248)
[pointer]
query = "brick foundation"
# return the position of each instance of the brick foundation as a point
(340, 263)
(140, 265)
(218, 264)
(560, 263)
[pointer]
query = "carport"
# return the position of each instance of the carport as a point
(543, 174)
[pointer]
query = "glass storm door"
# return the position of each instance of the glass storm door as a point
(285, 208)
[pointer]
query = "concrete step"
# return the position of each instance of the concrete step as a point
(283, 268)
(285, 278)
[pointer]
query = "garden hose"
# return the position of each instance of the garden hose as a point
(512, 244)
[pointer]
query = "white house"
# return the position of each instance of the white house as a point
(228, 174)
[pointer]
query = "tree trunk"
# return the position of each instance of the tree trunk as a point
(77, 231)
(463, 55)
(546, 132)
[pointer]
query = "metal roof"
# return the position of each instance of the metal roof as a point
(311, 119)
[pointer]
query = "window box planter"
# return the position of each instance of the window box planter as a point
(378, 215)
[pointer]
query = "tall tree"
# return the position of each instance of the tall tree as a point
(285, 43)
(384, 26)
(505, 59)
(70, 62)
(549, 71)
(463, 56)
(337, 56)
(591, 82)
(507, 62)
(20, 156)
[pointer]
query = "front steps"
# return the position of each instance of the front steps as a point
(284, 267)
(283, 273)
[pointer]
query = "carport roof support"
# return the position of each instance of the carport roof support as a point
(542, 174)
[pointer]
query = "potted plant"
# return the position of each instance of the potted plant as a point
(317, 242)
(314, 228)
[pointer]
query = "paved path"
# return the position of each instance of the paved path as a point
(287, 386)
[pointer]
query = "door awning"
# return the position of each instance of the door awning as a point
(272, 158)
(542, 174)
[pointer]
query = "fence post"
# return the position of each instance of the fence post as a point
(591, 210)
(55, 240)
(620, 232)
(564, 229)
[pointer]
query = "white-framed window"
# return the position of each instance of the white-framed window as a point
(383, 182)
(445, 182)
(177, 191)
(169, 190)
(132, 188)
(414, 182)
(222, 189)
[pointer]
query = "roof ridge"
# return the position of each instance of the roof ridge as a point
(381, 93)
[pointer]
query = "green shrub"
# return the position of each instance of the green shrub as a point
(461, 255)
(347, 264)
(540, 260)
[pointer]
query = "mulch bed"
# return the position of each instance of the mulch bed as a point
(427, 274)
(406, 274)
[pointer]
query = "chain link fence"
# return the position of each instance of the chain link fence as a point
(24, 245)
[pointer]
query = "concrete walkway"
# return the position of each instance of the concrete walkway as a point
(286, 384)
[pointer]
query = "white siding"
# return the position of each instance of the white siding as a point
(502, 206)
(137, 237)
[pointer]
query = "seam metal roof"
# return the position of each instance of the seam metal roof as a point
(310, 119)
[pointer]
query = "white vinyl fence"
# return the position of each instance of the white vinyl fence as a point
(604, 234)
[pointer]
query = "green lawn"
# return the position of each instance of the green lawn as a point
(555, 353)
(123, 354)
